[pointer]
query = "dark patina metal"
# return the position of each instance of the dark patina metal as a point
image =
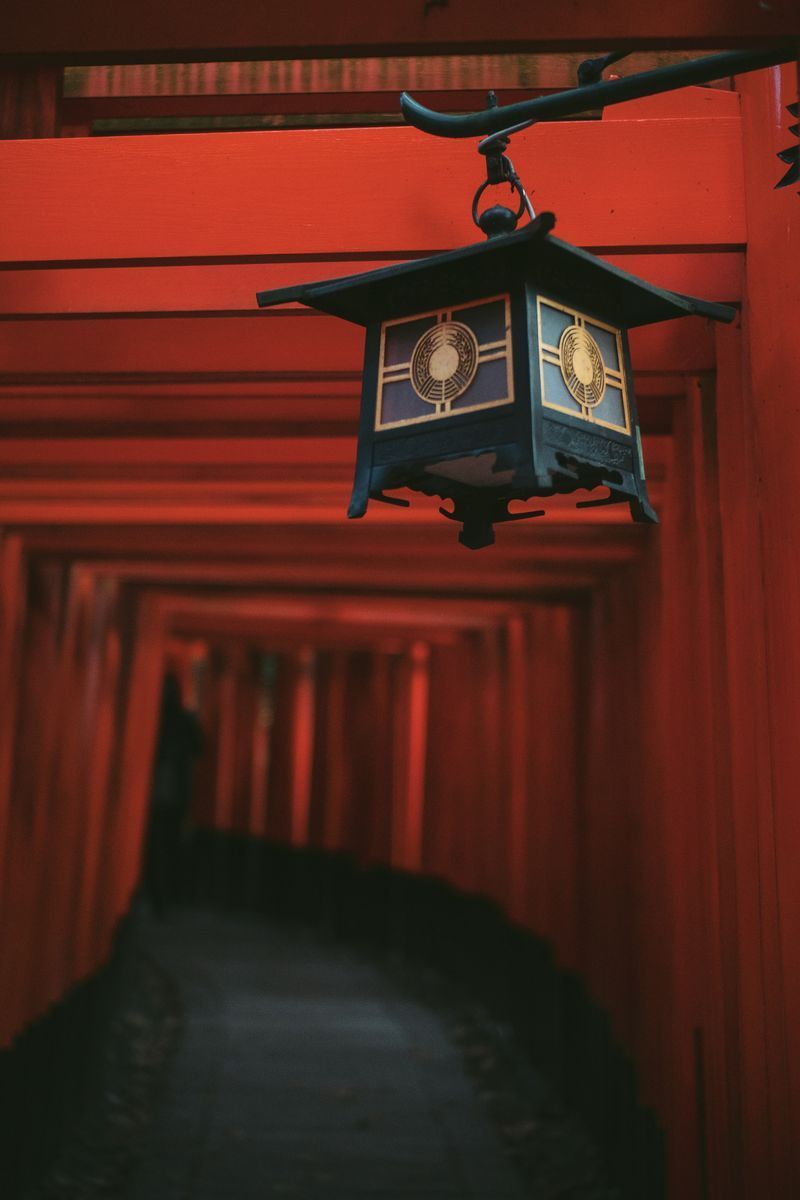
(511, 117)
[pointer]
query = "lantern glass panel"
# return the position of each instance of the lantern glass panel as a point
(581, 366)
(444, 363)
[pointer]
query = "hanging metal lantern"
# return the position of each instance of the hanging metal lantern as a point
(498, 372)
(501, 371)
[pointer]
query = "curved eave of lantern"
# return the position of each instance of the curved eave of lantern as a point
(484, 267)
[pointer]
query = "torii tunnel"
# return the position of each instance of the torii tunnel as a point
(567, 762)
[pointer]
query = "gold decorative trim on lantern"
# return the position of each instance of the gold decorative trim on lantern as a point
(584, 371)
(444, 363)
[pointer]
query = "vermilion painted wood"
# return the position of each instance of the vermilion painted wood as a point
(171, 547)
(280, 780)
(310, 77)
(351, 547)
(409, 800)
(382, 701)
(333, 800)
(276, 346)
(27, 829)
(724, 965)
(203, 806)
(772, 299)
(229, 289)
(30, 100)
(358, 608)
(135, 750)
(559, 575)
(82, 111)
(553, 821)
(571, 566)
(676, 798)
(46, 967)
(516, 711)
(12, 616)
(244, 781)
(182, 32)
(302, 724)
(222, 196)
(86, 773)
(227, 720)
(259, 760)
(750, 774)
(13, 603)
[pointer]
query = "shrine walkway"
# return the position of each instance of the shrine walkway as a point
(301, 1073)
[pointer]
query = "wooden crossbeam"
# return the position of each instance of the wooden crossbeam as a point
(344, 77)
(264, 346)
(94, 31)
(366, 193)
(141, 109)
(228, 289)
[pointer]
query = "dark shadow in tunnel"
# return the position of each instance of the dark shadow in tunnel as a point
(55, 1071)
(556, 1024)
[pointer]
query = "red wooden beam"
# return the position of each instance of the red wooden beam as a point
(30, 99)
(85, 110)
(229, 288)
(277, 346)
(230, 196)
(183, 30)
(452, 573)
(314, 77)
(567, 565)
(242, 544)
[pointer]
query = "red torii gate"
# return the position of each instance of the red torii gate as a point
(157, 439)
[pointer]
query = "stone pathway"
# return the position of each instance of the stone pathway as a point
(300, 1073)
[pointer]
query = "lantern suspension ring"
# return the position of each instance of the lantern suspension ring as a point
(499, 169)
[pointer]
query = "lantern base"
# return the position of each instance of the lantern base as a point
(479, 515)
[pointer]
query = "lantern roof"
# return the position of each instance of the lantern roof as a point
(492, 266)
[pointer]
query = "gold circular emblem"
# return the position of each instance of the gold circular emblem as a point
(444, 362)
(582, 366)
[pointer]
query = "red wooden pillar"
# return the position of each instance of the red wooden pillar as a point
(12, 618)
(303, 703)
(687, 779)
(772, 301)
(60, 804)
(517, 720)
(443, 815)
(30, 101)
(291, 758)
(102, 683)
(203, 808)
(260, 746)
(227, 740)
(29, 833)
(136, 749)
(411, 730)
(332, 768)
(676, 790)
(377, 742)
(484, 825)
(748, 699)
(468, 819)
(554, 744)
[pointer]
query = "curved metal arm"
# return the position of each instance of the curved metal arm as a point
(596, 95)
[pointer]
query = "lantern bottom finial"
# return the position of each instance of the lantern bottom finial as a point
(478, 516)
